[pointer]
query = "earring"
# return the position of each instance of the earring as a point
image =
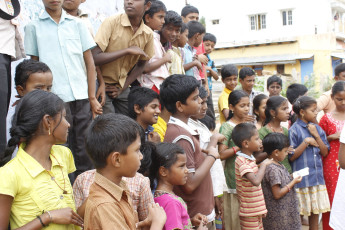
(49, 131)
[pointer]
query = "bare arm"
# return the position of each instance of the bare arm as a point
(35, 58)
(190, 65)
(256, 179)
(101, 88)
(226, 152)
(212, 73)
(313, 131)
(279, 192)
(152, 66)
(226, 113)
(299, 150)
(342, 155)
(136, 72)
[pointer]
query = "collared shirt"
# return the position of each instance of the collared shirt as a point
(61, 47)
(116, 33)
(310, 157)
(325, 102)
(189, 53)
(33, 189)
(176, 65)
(109, 206)
(139, 188)
(7, 34)
(252, 95)
(223, 103)
(160, 127)
(213, 66)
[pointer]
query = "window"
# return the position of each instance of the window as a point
(287, 17)
(258, 22)
(215, 22)
(280, 69)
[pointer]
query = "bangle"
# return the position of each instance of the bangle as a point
(289, 189)
(213, 157)
(235, 151)
(50, 216)
(43, 225)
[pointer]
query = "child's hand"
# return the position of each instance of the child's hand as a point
(96, 107)
(213, 151)
(197, 63)
(66, 216)
(167, 57)
(297, 180)
(219, 138)
(266, 162)
(156, 217)
(112, 91)
(333, 137)
(209, 68)
(135, 50)
(311, 141)
(199, 220)
(313, 131)
(250, 118)
(101, 93)
(154, 137)
(203, 59)
(290, 150)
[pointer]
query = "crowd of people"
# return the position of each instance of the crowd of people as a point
(117, 130)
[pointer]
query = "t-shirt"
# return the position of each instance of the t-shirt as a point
(189, 53)
(223, 103)
(213, 66)
(325, 102)
(160, 127)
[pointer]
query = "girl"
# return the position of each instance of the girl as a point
(278, 187)
(259, 106)
(37, 192)
(169, 169)
(332, 123)
(238, 112)
(310, 143)
(276, 112)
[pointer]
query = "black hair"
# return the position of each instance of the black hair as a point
(339, 68)
(228, 70)
(184, 27)
(209, 122)
(195, 27)
(242, 132)
(202, 92)
(294, 91)
(140, 96)
(146, 149)
(176, 88)
(273, 103)
(234, 98)
(165, 155)
(274, 141)
(26, 68)
(189, 9)
(171, 17)
(147, 1)
(110, 133)
(339, 86)
(156, 6)
(274, 78)
(210, 37)
(303, 102)
(245, 72)
(28, 117)
(257, 102)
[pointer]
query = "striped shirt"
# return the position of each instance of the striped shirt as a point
(252, 201)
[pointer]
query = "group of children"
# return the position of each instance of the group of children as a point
(159, 164)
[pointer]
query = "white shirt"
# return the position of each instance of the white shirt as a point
(7, 34)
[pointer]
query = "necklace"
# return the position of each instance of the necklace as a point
(280, 131)
(53, 178)
(161, 192)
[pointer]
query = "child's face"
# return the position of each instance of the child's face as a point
(198, 39)
(183, 38)
(42, 81)
(339, 100)
(340, 77)
(282, 112)
(309, 114)
(149, 115)
(248, 83)
(157, 20)
(255, 143)
(193, 104)
(71, 4)
(52, 5)
(230, 82)
(274, 89)
(171, 32)
(203, 109)
(209, 46)
(261, 110)
(279, 155)
(130, 162)
(241, 109)
(59, 127)
(190, 17)
(136, 8)
(178, 172)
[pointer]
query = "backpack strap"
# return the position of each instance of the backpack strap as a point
(16, 8)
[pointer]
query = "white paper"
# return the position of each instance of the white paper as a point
(302, 173)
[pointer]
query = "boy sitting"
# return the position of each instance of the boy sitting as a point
(247, 80)
(229, 74)
(143, 107)
(113, 143)
(176, 65)
(180, 95)
(274, 85)
(249, 176)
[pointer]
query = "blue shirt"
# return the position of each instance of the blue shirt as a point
(61, 47)
(213, 66)
(189, 53)
(310, 157)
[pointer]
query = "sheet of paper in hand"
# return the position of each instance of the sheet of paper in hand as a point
(302, 172)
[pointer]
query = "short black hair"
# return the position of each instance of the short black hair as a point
(195, 27)
(274, 78)
(184, 27)
(156, 6)
(171, 17)
(245, 72)
(140, 96)
(146, 148)
(176, 88)
(339, 68)
(294, 91)
(189, 9)
(202, 92)
(228, 70)
(28, 67)
(209, 122)
(110, 133)
(273, 141)
(242, 132)
(210, 37)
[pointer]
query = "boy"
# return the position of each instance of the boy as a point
(155, 71)
(229, 74)
(180, 95)
(69, 57)
(115, 151)
(274, 85)
(143, 107)
(196, 32)
(247, 81)
(293, 92)
(124, 45)
(249, 177)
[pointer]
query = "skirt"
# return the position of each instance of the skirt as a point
(313, 200)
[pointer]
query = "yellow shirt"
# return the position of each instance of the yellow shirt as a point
(176, 65)
(160, 127)
(33, 189)
(116, 33)
(223, 103)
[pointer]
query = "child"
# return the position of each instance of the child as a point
(229, 75)
(143, 107)
(239, 108)
(276, 112)
(115, 151)
(196, 33)
(69, 57)
(37, 191)
(247, 81)
(274, 85)
(169, 169)
(278, 187)
(293, 92)
(180, 95)
(259, 106)
(249, 177)
(155, 71)
(332, 123)
(190, 13)
(171, 29)
(310, 143)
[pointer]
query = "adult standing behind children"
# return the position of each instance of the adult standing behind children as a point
(124, 45)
